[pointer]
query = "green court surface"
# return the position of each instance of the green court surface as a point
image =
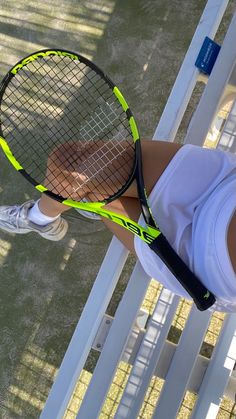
(43, 285)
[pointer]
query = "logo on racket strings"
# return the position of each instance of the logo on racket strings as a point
(41, 54)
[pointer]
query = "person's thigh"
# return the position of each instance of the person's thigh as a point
(156, 155)
(130, 208)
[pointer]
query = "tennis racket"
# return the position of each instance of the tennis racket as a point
(67, 128)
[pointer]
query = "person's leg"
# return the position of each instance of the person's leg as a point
(130, 208)
(50, 207)
(156, 155)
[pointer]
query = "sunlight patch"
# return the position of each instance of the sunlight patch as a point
(5, 246)
(67, 254)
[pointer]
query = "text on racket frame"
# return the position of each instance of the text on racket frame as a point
(34, 57)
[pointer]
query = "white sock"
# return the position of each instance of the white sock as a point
(37, 217)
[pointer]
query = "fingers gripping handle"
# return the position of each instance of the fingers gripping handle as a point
(201, 296)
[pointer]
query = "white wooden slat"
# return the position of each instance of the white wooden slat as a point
(182, 364)
(183, 361)
(166, 349)
(114, 345)
(187, 77)
(148, 356)
(227, 140)
(199, 370)
(81, 412)
(218, 372)
(207, 107)
(211, 23)
(166, 129)
(76, 354)
(85, 332)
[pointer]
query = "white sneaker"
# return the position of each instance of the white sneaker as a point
(14, 220)
(88, 214)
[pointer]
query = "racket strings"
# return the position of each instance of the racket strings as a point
(101, 163)
(54, 103)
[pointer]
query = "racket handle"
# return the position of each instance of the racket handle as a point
(201, 296)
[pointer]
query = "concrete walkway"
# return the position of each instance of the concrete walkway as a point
(44, 285)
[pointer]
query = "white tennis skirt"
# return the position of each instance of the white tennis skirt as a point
(193, 202)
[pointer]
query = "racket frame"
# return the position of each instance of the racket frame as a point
(151, 234)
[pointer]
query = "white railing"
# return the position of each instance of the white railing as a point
(109, 273)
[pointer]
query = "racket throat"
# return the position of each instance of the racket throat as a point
(142, 194)
(147, 216)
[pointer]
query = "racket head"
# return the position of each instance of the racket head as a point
(60, 115)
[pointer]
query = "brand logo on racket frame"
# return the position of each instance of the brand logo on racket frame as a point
(129, 225)
(33, 57)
